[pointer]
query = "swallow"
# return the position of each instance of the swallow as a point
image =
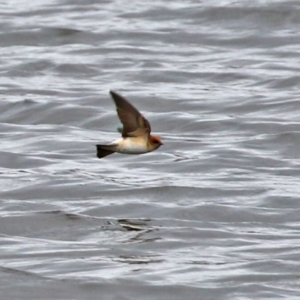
(136, 137)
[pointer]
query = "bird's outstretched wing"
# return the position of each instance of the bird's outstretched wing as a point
(134, 124)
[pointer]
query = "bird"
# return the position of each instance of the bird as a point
(136, 137)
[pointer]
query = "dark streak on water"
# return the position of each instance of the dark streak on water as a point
(213, 214)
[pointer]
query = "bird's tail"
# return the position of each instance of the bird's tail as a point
(104, 150)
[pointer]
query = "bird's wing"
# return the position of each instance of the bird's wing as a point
(134, 124)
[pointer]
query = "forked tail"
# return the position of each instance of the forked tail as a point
(103, 150)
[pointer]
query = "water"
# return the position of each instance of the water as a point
(213, 214)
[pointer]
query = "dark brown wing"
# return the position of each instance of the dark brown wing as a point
(134, 124)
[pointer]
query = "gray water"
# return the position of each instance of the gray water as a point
(212, 214)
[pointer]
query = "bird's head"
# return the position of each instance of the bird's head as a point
(155, 141)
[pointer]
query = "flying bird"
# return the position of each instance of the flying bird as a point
(136, 137)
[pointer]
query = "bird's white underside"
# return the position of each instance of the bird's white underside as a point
(130, 145)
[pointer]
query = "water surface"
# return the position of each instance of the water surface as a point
(213, 214)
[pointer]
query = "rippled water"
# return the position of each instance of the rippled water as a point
(213, 214)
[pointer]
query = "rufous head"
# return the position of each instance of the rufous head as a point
(155, 141)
